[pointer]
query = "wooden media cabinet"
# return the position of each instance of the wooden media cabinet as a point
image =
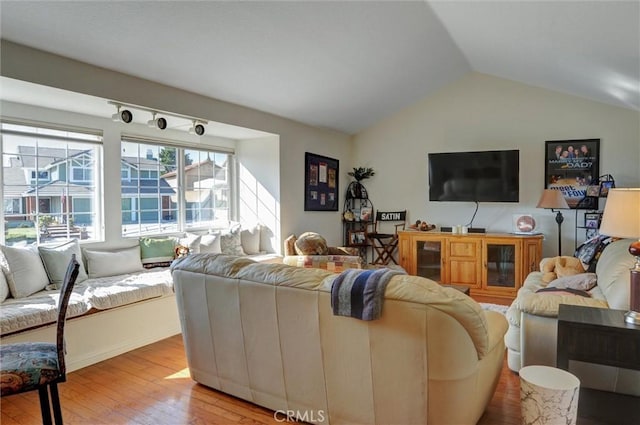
(489, 264)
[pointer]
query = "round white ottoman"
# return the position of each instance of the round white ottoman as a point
(548, 396)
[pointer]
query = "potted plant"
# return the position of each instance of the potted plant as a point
(362, 173)
(356, 190)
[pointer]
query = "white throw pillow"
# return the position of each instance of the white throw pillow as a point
(191, 241)
(210, 244)
(250, 239)
(112, 263)
(56, 260)
(4, 287)
(24, 271)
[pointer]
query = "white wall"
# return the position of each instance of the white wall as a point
(23, 63)
(258, 173)
(481, 112)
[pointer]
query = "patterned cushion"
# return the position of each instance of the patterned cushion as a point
(310, 243)
(27, 365)
(231, 243)
(332, 263)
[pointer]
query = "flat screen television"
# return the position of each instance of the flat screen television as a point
(485, 176)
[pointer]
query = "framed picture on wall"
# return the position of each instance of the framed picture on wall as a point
(571, 166)
(320, 183)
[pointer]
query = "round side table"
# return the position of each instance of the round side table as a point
(548, 396)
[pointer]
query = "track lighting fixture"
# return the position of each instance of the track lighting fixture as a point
(124, 116)
(197, 128)
(160, 123)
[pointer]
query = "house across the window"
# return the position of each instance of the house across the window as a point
(49, 192)
(161, 193)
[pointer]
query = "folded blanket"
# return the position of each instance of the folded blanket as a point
(359, 293)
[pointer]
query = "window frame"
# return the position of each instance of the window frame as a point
(179, 208)
(37, 138)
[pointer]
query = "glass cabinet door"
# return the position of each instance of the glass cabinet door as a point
(429, 259)
(501, 267)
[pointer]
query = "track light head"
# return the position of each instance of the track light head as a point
(124, 116)
(160, 123)
(197, 129)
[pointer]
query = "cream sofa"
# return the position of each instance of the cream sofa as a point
(532, 335)
(266, 333)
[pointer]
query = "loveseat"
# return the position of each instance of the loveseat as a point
(310, 250)
(266, 333)
(123, 298)
(532, 335)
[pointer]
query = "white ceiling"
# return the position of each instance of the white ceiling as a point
(343, 64)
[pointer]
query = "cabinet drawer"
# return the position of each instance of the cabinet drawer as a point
(463, 249)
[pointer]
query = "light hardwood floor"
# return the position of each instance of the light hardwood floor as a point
(151, 385)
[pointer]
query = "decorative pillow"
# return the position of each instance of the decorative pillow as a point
(231, 243)
(210, 244)
(4, 287)
(157, 252)
(191, 241)
(250, 239)
(582, 281)
(111, 263)
(310, 243)
(562, 291)
(24, 271)
(56, 260)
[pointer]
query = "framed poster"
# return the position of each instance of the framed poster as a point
(320, 183)
(571, 166)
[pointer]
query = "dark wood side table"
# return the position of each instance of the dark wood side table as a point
(599, 335)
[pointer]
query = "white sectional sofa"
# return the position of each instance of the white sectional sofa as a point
(533, 316)
(266, 333)
(117, 304)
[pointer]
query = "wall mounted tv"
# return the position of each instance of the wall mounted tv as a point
(485, 176)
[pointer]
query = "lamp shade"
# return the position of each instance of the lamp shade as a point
(552, 198)
(621, 216)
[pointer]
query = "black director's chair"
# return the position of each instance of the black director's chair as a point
(385, 244)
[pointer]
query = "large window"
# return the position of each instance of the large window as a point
(167, 188)
(49, 188)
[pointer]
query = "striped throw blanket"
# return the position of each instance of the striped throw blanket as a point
(360, 293)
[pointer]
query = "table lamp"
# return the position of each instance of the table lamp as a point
(621, 219)
(554, 200)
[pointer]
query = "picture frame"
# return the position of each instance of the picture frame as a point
(591, 233)
(593, 190)
(592, 220)
(357, 237)
(604, 188)
(571, 166)
(365, 214)
(321, 182)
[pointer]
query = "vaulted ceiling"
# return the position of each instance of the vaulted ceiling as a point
(343, 64)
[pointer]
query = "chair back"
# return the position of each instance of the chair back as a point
(399, 217)
(65, 294)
